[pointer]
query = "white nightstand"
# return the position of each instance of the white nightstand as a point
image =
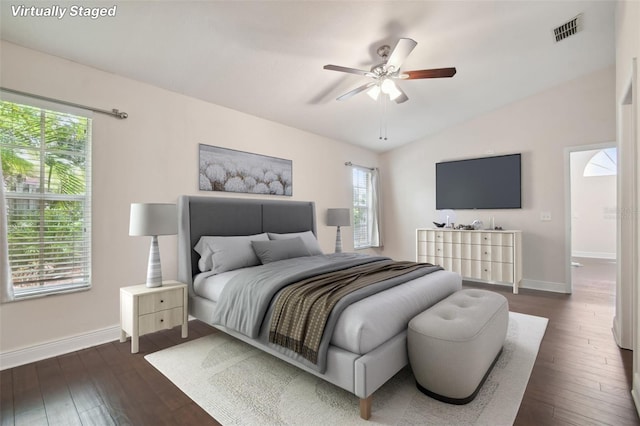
(145, 310)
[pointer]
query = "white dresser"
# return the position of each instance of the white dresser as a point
(483, 255)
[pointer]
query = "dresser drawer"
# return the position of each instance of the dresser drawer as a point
(154, 302)
(160, 320)
(497, 254)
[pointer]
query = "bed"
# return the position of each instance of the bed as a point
(365, 348)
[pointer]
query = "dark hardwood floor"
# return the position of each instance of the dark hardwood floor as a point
(102, 385)
(580, 376)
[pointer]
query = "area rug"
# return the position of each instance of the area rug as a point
(240, 385)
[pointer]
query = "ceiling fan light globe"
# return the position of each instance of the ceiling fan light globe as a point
(394, 94)
(374, 92)
(388, 87)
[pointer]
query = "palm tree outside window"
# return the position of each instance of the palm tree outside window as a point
(46, 164)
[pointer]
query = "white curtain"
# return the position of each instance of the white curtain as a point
(375, 230)
(6, 283)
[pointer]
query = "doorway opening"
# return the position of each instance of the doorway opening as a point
(593, 216)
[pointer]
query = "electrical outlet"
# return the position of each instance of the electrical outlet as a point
(545, 216)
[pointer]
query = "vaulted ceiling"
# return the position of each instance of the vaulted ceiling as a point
(266, 58)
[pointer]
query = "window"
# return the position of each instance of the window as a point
(603, 163)
(46, 163)
(365, 208)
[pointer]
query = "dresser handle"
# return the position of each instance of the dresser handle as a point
(161, 319)
(161, 300)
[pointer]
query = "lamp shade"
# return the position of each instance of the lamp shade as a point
(338, 217)
(153, 219)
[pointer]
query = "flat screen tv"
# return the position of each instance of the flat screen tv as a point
(479, 183)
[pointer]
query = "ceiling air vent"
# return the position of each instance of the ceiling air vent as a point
(568, 28)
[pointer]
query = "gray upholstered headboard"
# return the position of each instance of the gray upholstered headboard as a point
(198, 216)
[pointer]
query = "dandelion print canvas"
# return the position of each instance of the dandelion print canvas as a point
(223, 169)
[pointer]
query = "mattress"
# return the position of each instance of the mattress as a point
(368, 323)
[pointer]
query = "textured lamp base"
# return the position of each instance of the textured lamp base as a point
(154, 270)
(338, 241)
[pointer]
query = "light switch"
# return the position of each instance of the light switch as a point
(545, 216)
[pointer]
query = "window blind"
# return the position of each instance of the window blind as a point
(46, 161)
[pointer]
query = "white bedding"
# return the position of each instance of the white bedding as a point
(210, 285)
(370, 322)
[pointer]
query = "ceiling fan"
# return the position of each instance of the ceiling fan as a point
(385, 73)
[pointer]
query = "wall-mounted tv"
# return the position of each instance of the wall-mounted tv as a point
(479, 183)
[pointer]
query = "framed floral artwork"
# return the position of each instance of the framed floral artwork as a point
(229, 170)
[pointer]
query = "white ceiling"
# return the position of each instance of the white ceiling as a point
(265, 58)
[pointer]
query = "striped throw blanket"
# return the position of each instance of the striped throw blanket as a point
(302, 309)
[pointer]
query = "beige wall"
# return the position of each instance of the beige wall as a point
(579, 112)
(153, 157)
(593, 207)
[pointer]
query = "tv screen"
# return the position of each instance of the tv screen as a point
(479, 183)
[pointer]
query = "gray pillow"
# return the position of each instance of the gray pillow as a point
(307, 237)
(221, 254)
(272, 251)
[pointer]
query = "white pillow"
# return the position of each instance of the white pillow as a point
(307, 237)
(221, 254)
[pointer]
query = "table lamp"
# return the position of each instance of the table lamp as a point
(338, 217)
(153, 220)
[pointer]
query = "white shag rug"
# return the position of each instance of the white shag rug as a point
(240, 385)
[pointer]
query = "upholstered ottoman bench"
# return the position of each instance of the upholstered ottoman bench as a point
(454, 344)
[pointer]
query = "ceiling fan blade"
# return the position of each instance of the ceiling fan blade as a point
(402, 97)
(349, 70)
(356, 91)
(432, 73)
(400, 52)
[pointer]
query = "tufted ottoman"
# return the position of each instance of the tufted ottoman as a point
(454, 344)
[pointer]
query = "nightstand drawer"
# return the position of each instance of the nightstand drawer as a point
(160, 320)
(154, 302)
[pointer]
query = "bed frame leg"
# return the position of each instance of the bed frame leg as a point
(365, 407)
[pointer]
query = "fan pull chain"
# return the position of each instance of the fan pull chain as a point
(382, 101)
(385, 103)
(380, 115)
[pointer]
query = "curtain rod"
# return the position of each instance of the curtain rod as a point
(350, 164)
(114, 112)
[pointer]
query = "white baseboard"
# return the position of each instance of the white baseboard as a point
(594, 255)
(532, 285)
(63, 346)
(46, 350)
(545, 286)
(620, 341)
